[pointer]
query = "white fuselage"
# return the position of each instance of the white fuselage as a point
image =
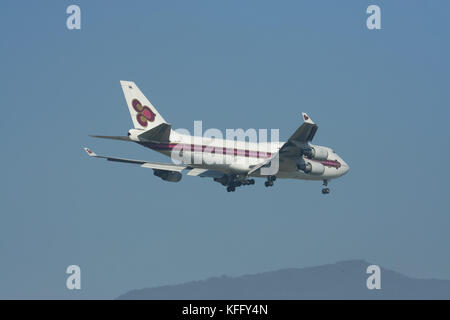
(231, 156)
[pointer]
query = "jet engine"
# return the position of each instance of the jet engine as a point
(312, 167)
(316, 152)
(171, 176)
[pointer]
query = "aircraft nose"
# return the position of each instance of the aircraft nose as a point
(345, 168)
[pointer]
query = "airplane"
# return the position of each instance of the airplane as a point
(296, 158)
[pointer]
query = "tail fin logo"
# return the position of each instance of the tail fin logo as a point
(144, 114)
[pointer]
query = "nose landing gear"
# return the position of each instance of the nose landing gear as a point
(325, 190)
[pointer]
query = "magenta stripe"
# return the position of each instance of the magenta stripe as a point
(210, 149)
(237, 152)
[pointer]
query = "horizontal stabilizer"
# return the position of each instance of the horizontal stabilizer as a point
(160, 133)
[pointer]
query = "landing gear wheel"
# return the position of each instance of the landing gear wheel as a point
(248, 182)
(270, 180)
(325, 190)
(268, 183)
(231, 189)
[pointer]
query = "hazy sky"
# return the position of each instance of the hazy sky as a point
(380, 98)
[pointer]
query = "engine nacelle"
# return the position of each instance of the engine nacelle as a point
(311, 167)
(318, 153)
(171, 176)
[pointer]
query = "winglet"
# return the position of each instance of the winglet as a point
(90, 152)
(307, 119)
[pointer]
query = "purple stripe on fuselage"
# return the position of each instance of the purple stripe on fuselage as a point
(210, 149)
(228, 151)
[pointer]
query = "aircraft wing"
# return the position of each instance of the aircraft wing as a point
(293, 147)
(198, 172)
(300, 138)
(205, 173)
(144, 164)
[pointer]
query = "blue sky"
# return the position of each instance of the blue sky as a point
(380, 99)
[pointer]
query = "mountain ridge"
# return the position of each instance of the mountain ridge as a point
(341, 280)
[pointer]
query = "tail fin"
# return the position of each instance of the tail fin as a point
(143, 113)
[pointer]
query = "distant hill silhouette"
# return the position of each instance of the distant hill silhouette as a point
(342, 280)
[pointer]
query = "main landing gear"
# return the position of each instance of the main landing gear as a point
(325, 190)
(270, 181)
(234, 183)
(231, 189)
